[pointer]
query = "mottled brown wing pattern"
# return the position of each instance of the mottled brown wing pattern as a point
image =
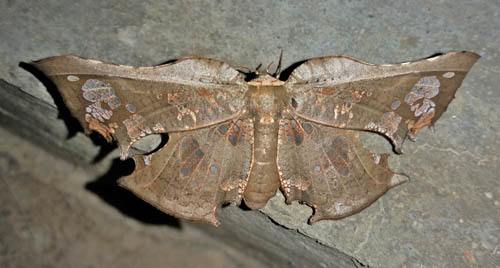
(394, 99)
(196, 171)
(128, 103)
(330, 170)
(206, 107)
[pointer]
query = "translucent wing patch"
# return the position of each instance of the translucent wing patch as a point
(294, 132)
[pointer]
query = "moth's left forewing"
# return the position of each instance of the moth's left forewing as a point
(393, 99)
(128, 103)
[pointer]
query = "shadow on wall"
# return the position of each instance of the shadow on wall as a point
(106, 187)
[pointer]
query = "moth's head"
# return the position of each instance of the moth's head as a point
(267, 78)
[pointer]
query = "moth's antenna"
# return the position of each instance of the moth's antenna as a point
(249, 72)
(278, 68)
(267, 69)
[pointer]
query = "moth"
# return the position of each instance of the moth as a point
(232, 140)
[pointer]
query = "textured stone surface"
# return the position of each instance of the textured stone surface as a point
(49, 219)
(32, 118)
(446, 216)
(48, 187)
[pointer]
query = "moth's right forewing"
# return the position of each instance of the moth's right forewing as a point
(392, 99)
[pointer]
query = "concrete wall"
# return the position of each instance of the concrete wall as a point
(61, 207)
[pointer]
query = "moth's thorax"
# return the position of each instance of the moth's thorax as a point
(266, 100)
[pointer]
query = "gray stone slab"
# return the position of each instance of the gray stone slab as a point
(48, 186)
(447, 216)
(29, 117)
(49, 218)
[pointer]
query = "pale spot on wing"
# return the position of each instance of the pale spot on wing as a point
(73, 78)
(449, 75)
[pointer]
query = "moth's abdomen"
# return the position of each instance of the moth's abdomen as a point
(263, 181)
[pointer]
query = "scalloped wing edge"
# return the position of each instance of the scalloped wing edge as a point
(126, 183)
(396, 180)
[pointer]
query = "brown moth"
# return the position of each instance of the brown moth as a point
(230, 139)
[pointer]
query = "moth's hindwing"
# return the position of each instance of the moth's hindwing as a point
(196, 171)
(330, 170)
